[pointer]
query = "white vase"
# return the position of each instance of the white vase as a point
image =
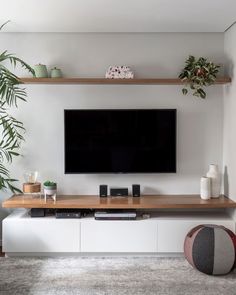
(214, 175)
(205, 188)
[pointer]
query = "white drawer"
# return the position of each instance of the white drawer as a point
(172, 233)
(41, 235)
(119, 236)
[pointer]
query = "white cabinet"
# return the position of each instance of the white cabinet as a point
(21, 233)
(171, 233)
(164, 233)
(119, 236)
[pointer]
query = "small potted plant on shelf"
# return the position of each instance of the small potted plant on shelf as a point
(197, 74)
(50, 189)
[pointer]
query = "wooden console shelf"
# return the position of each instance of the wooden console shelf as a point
(144, 202)
(104, 81)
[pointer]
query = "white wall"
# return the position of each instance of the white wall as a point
(229, 155)
(200, 122)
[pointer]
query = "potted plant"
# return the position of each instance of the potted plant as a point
(12, 129)
(197, 74)
(50, 188)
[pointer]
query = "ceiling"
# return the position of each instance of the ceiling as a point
(118, 15)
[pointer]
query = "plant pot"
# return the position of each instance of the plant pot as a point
(56, 73)
(41, 71)
(50, 190)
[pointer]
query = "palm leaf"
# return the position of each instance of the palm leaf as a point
(11, 129)
(3, 25)
(5, 56)
(10, 92)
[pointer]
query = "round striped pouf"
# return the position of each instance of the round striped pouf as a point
(211, 249)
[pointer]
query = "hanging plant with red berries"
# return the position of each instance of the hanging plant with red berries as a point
(197, 74)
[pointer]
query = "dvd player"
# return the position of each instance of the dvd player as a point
(115, 215)
(68, 213)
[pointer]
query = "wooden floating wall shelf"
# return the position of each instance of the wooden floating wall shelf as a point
(104, 81)
(143, 202)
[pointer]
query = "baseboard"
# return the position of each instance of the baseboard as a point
(91, 254)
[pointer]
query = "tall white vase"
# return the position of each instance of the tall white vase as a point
(214, 175)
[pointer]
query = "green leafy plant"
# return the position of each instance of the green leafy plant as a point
(197, 74)
(49, 183)
(11, 129)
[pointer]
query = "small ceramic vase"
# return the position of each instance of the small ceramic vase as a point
(41, 71)
(56, 73)
(214, 175)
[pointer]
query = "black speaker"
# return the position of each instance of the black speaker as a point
(136, 190)
(103, 190)
(119, 191)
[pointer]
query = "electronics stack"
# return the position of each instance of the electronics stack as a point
(117, 192)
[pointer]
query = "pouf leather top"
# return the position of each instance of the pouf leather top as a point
(211, 249)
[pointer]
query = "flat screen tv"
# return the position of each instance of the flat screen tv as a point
(120, 141)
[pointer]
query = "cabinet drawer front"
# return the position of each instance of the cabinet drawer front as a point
(171, 234)
(38, 235)
(119, 236)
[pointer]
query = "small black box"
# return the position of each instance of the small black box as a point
(37, 212)
(118, 192)
(136, 190)
(68, 213)
(102, 190)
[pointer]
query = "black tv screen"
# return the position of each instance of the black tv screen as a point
(120, 141)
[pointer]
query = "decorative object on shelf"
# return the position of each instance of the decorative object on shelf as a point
(50, 189)
(32, 188)
(41, 71)
(205, 188)
(12, 130)
(56, 73)
(119, 72)
(210, 249)
(197, 74)
(214, 175)
(31, 177)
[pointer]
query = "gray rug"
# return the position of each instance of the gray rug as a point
(108, 276)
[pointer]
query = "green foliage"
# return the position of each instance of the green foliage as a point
(49, 183)
(11, 129)
(197, 74)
